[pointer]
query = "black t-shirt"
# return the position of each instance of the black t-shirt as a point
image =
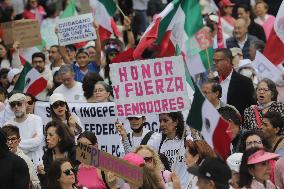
(14, 172)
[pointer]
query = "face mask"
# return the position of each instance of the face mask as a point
(246, 72)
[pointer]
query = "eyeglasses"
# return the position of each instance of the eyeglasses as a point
(148, 159)
(218, 60)
(68, 171)
(253, 143)
(12, 139)
(55, 105)
(262, 89)
(99, 90)
(14, 104)
(133, 118)
(30, 102)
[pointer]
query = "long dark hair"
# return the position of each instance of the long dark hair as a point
(55, 117)
(177, 117)
(67, 142)
(54, 174)
(9, 55)
(245, 176)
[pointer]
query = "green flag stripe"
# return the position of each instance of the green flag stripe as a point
(207, 58)
(194, 118)
(20, 85)
(166, 21)
(69, 10)
(193, 18)
(109, 5)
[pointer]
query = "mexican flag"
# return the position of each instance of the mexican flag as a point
(276, 39)
(30, 80)
(206, 119)
(180, 25)
(103, 11)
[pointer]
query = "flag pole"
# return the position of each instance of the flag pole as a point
(124, 15)
(208, 60)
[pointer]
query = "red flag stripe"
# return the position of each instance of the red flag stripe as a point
(37, 86)
(221, 139)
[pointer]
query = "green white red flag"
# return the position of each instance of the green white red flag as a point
(179, 25)
(30, 80)
(103, 13)
(206, 119)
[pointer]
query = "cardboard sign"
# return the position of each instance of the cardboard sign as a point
(27, 32)
(84, 153)
(107, 162)
(76, 29)
(85, 6)
(265, 69)
(149, 86)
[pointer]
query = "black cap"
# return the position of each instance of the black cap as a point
(213, 169)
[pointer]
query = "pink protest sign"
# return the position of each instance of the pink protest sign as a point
(149, 86)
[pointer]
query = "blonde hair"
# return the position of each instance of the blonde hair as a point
(156, 159)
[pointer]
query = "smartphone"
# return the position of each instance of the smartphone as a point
(169, 185)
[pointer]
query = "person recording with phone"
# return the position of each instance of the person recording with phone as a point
(138, 136)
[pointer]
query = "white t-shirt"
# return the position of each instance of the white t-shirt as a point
(32, 139)
(75, 94)
(174, 150)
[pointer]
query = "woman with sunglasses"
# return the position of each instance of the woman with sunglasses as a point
(266, 94)
(30, 103)
(152, 160)
(61, 175)
(59, 144)
(100, 179)
(254, 169)
(59, 110)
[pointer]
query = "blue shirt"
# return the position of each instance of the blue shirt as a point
(79, 75)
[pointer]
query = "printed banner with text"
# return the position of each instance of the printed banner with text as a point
(149, 86)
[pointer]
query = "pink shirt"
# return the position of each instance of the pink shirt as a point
(267, 24)
(279, 173)
(88, 177)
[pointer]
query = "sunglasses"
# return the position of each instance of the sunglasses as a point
(57, 104)
(68, 171)
(148, 159)
(133, 118)
(30, 102)
(14, 104)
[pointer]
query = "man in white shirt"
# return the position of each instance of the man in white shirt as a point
(38, 62)
(30, 127)
(71, 89)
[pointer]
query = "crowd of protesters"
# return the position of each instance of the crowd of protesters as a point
(178, 157)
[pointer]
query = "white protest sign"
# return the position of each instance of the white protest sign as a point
(265, 69)
(95, 117)
(99, 118)
(76, 29)
(149, 86)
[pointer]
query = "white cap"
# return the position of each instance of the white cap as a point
(234, 161)
(245, 63)
(56, 97)
(17, 97)
(214, 18)
(137, 116)
(12, 73)
(235, 51)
